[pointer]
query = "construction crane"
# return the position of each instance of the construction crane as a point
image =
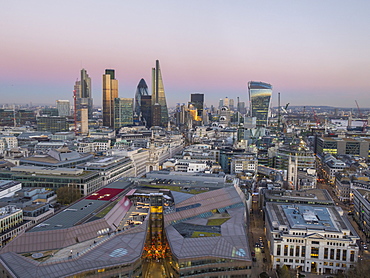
(364, 121)
(315, 117)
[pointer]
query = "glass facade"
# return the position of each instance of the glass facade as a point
(123, 112)
(110, 92)
(158, 95)
(260, 97)
(142, 90)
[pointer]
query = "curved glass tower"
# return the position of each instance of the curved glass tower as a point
(260, 99)
(142, 90)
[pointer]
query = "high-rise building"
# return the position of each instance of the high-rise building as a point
(197, 100)
(226, 102)
(259, 97)
(64, 108)
(123, 112)
(142, 90)
(220, 103)
(146, 110)
(110, 92)
(231, 104)
(158, 97)
(85, 85)
(84, 99)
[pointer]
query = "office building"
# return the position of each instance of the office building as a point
(159, 102)
(64, 108)
(226, 102)
(335, 145)
(146, 110)
(52, 124)
(141, 90)
(231, 104)
(110, 92)
(197, 100)
(82, 90)
(361, 201)
(260, 98)
(85, 92)
(310, 238)
(123, 112)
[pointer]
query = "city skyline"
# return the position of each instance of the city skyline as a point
(313, 54)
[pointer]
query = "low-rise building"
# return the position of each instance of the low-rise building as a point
(110, 168)
(8, 188)
(310, 238)
(53, 178)
(361, 213)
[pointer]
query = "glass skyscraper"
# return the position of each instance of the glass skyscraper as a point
(260, 98)
(110, 92)
(123, 112)
(142, 90)
(158, 96)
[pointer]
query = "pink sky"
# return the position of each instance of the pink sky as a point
(314, 54)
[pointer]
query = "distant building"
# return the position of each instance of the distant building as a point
(260, 98)
(123, 112)
(197, 100)
(36, 176)
(52, 124)
(110, 92)
(141, 90)
(350, 146)
(10, 117)
(159, 103)
(64, 108)
(146, 110)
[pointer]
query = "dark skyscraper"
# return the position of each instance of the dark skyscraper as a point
(158, 97)
(110, 92)
(198, 101)
(259, 97)
(85, 98)
(146, 109)
(142, 90)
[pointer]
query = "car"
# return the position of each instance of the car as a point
(365, 247)
(257, 244)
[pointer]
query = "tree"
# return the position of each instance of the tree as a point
(361, 270)
(68, 194)
(284, 272)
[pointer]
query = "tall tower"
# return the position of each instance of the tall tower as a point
(142, 90)
(110, 92)
(158, 96)
(197, 100)
(259, 97)
(85, 92)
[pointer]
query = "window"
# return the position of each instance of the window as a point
(278, 250)
(331, 254)
(338, 254)
(314, 252)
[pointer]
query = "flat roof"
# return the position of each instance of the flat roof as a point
(71, 215)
